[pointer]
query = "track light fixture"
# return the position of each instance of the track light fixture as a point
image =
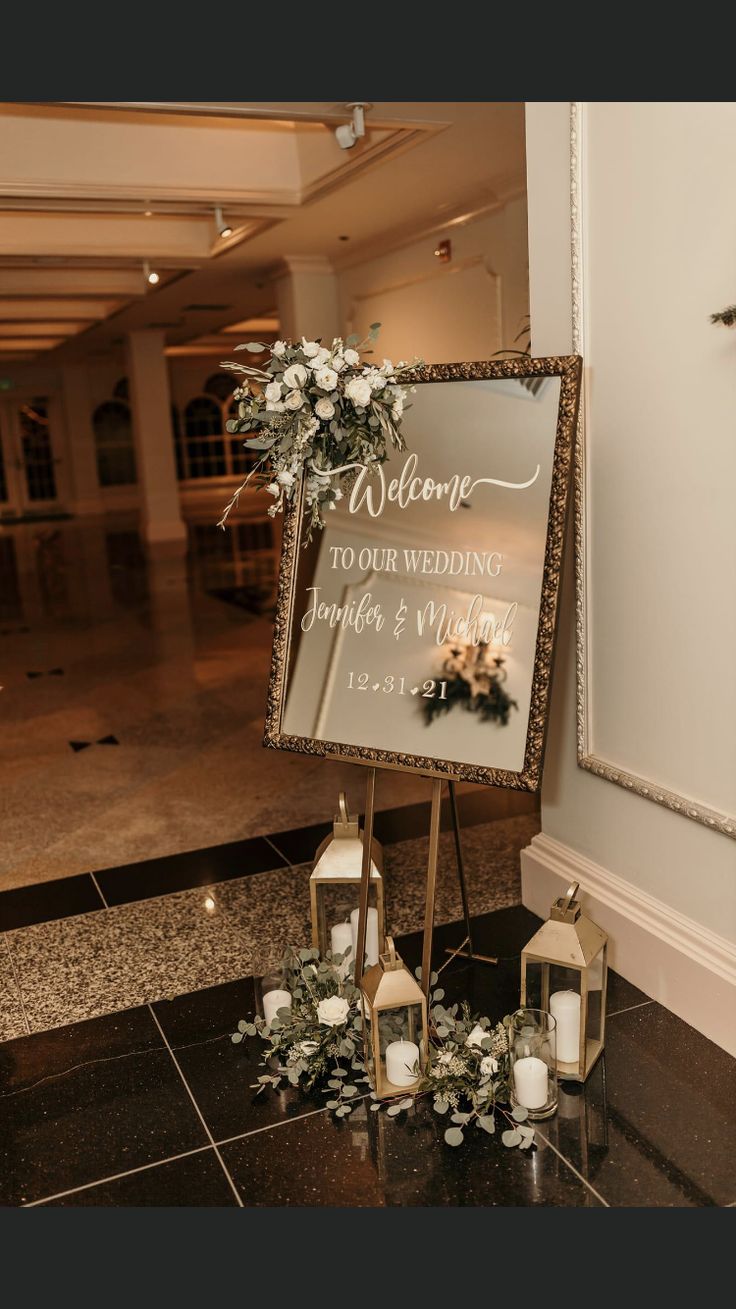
(151, 276)
(348, 134)
(223, 229)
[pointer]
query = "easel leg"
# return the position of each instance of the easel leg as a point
(460, 865)
(365, 876)
(434, 842)
(465, 949)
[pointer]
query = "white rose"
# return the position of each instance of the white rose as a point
(310, 348)
(338, 363)
(294, 400)
(476, 1036)
(377, 381)
(273, 391)
(321, 357)
(333, 1011)
(275, 406)
(358, 390)
(295, 376)
(338, 493)
(273, 489)
(326, 378)
(285, 478)
(278, 348)
(324, 408)
(351, 357)
(488, 1066)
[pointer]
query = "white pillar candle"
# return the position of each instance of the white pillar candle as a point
(564, 1007)
(341, 939)
(530, 1082)
(371, 936)
(401, 1056)
(273, 1001)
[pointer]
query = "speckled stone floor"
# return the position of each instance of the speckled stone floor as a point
(107, 959)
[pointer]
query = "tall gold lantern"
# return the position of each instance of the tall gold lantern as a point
(564, 970)
(334, 889)
(394, 1026)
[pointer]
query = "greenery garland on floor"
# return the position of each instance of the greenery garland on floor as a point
(318, 1044)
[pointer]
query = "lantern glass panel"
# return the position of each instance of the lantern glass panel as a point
(403, 1023)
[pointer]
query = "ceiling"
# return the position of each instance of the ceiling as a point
(90, 193)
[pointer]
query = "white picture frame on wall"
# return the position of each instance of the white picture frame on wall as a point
(588, 756)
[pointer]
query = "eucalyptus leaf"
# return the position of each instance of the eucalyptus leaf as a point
(454, 1136)
(487, 1122)
(350, 1090)
(526, 1143)
(441, 1106)
(236, 1038)
(460, 1118)
(331, 1104)
(406, 1103)
(511, 1138)
(393, 1110)
(519, 1113)
(376, 1106)
(438, 995)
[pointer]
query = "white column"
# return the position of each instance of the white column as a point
(307, 298)
(84, 487)
(161, 518)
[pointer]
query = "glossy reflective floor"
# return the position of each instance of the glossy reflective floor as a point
(154, 1106)
(132, 703)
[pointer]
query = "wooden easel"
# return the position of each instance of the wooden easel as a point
(465, 949)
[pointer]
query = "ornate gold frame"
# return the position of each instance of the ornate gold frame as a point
(568, 368)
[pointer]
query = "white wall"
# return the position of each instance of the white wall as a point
(466, 309)
(660, 452)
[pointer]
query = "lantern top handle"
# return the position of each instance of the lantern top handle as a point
(344, 825)
(390, 960)
(566, 909)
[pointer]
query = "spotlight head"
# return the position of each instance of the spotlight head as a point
(347, 134)
(223, 229)
(151, 276)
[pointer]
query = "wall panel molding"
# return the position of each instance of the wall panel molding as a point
(648, 788)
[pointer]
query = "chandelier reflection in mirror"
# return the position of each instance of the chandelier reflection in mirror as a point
(416, 630)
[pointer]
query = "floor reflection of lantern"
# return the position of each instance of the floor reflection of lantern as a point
(582, 1121)
(334, 888)
(395, 1026)
(564, 971)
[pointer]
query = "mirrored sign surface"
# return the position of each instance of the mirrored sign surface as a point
(416, 629)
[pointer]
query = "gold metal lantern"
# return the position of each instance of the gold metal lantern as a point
(564, 971)
(334, 888)
(394, 1026)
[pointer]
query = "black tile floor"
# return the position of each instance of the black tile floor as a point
(153, 1106)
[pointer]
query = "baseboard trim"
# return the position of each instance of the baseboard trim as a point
(673, 959)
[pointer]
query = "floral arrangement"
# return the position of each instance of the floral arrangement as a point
(318, 1042)
(474, 680)
(317, 411)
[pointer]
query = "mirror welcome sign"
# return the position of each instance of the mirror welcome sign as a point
(416, 630)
